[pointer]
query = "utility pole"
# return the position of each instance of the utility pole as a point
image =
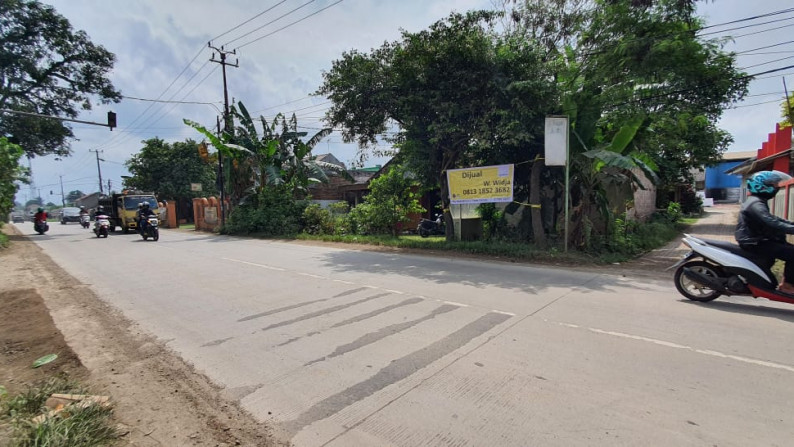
(227, 124)
(110, 187)
(98, 169)
(63, 197)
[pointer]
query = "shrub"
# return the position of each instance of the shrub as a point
(317, 220)
(271, 212)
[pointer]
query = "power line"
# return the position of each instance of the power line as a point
(293, 23)
(747, 26)
(247, 21)
(168, 102)
(268, 23)
(766, 46)
(769, 62)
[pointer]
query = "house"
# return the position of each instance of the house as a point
(89, 201)
(776, 153)
(339, 189)
(718, 184)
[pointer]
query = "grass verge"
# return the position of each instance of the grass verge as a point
(75, 426)
(511, 251)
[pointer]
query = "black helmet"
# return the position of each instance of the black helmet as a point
(146, 205)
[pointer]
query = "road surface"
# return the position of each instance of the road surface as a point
(339, 347)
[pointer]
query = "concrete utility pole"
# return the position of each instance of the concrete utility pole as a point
(63, 197)
(98, 169)
(227, 119)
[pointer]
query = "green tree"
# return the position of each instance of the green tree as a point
(279, 157)
(37, 201)
(47, 68)
(168, 169)
(73, 195)
(391, 199)
(10, 173)
(787, 111)
(459, 95)
(642, 88)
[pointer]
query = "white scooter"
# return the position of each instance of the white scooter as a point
(714, 268)
(101, 225)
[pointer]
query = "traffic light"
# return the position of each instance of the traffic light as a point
(111, 120)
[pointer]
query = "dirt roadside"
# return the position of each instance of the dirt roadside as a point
(158, 398)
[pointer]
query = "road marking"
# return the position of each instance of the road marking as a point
(503, 312)
(342, 281)
(684, 347)
(456, 304)
(278, 269)
(311, 275)
(395, 291)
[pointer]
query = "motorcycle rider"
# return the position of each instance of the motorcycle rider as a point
(143, 214)
(760, 231)
(40, 215)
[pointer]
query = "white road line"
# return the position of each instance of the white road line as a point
(278, 269)
(503, 312)
(456, 304)
(395, 291)
(687, 348)
(342, 281)
(311, 275)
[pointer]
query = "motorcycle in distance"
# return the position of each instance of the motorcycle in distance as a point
(429, 227)
(41, 226)
(85, 220)
(101, 225)
(150, 229)
(715, 268)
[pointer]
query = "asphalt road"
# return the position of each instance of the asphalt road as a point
(348, 348)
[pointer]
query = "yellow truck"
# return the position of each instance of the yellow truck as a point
(123, 207)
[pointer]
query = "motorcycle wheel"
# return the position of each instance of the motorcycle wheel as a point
(155, 234)
(694, 290)
(423, 233)
(145, 236)
(103, 232)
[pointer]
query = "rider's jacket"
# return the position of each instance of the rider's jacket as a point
(756, 224)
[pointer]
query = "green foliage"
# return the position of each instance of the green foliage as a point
(278, 157)
(391, 199)
(493, 221)
(674, 212)
(84, 426)
(690, 202)
(317, 220)
(47, 68)
(10, 173)
(168, 169)
(269, 212)
(461, 96)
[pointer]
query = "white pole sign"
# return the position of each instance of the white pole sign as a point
(556, 140)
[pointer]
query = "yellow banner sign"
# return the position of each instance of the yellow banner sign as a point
(481, 185)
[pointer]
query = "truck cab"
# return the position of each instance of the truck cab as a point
(123, 208)
(127, 209)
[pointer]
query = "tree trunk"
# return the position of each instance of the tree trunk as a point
(534, 199)
(449, 224)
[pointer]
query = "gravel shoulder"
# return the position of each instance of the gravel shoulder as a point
(158, 398)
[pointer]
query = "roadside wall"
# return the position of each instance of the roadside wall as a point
(206, 213)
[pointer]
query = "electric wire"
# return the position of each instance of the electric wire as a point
(289, 25)
(268, 23)
(247, 21)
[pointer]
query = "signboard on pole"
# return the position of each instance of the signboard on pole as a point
(485, 184)
(556, 140)
(195, 186)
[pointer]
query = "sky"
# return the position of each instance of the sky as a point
(283, 47)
